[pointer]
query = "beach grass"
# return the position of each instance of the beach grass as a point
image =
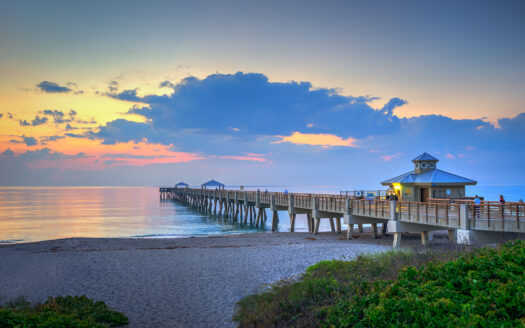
(58, 312)
(468, 288)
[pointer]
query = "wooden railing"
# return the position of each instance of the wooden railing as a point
(442, 214)
(495, 216)
(489, 216)
(374, 208)
(334, 204)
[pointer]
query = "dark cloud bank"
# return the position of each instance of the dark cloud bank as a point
(236, 114)
(253, 106)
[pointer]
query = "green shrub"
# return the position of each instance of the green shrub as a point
(60, 312)
(483, 288)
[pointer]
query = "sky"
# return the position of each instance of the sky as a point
(303, 93)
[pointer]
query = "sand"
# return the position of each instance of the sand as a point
(187, 282)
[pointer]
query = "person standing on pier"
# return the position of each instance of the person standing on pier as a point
(501, 200)
(477, 202)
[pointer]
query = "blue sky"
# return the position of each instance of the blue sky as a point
(277, 92)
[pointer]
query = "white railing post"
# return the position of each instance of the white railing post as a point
(463, 217)
(393, 206)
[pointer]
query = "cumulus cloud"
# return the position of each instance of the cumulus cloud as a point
(52, 87)
(256, 106)
(226, 110)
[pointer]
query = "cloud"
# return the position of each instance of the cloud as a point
(35, 122)
(388, 158)
(222, 111)
(325, 140)
(166, 84)
(29, 141)
(113, 86)
(126, 95)
(44, 140)
(225, 118)
(256, 106)
(75, 135)
(247, 157)
(58, 116)
(52, 87)
(121, 130)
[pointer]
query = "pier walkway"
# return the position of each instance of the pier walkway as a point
(476, 223)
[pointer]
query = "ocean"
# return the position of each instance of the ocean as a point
(30, 214)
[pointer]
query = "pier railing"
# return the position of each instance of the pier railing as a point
(441, 214)
(493, 216)
(488, 216)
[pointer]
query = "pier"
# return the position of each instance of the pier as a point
(465, 222)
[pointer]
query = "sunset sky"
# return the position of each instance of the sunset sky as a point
(339, 93)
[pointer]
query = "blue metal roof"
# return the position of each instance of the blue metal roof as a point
(212, 183)
(425, 157)
(433, 176)
(182, 184)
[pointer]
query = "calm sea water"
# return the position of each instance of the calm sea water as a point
(34, 214)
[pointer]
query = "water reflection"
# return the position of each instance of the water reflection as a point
(32, 214)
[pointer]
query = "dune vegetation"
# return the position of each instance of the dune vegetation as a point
(60, 312)
(470, 288)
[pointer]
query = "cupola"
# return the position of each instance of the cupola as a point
(424, 162)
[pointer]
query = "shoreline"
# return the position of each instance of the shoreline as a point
(175, 282)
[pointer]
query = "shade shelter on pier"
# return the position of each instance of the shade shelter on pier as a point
(212, 184)
(182, 185)
(427, 181)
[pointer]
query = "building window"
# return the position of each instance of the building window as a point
(417, 165)
(424, 165)
(431, 165)
(408, 191)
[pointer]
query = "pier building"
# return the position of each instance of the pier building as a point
(426, 181)
(212, 184)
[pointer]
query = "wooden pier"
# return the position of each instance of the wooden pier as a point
(397, 216)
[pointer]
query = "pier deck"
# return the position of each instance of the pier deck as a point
(399, 216)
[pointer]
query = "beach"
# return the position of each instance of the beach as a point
(185, 282)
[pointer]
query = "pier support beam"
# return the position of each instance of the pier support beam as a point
(397, 239)
(317, 224)
(275, 220)
(424, 238)
(332, 226)
(453, 236)
(292, 222)
(309, 221)
(374, 230)
(350, 232)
